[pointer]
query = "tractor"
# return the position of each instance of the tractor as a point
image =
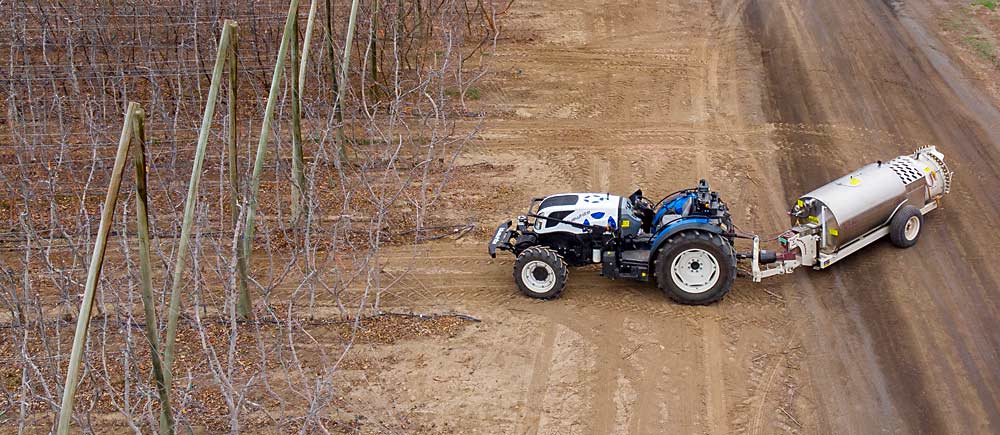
(685, 241)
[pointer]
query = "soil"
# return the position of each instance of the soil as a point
(767, 99)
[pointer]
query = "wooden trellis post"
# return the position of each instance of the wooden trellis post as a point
(145, 272)
(265, 133)
(306, 42)
(342, 82)
(133, 130)
(192, 197)
(335, 80)
(243, 297)
(94, 274)
(299, 194)
(298, 175)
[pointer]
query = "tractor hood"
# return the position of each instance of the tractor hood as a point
(591, 208)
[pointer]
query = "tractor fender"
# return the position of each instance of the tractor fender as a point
(699, 224)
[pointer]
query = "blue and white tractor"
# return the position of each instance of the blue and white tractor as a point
(685, 241)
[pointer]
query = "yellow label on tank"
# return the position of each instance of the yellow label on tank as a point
(814, 219)
(800, 203)
(834, 232)
(855, 181)
(626, 223)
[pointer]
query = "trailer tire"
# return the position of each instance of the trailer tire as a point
(540, 272)
(695, 267)
(905, 226)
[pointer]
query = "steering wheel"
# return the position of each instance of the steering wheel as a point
(644, 211)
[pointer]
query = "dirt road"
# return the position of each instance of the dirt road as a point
(768, 100)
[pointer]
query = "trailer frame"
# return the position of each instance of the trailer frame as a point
(809, 248)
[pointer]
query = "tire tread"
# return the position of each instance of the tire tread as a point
(543, 253)
(683, 238)
(897, 226)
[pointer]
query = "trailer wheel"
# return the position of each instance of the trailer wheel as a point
(905, 226)
(695, 267)
(540, 273)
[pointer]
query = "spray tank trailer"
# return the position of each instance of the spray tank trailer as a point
(685, 241)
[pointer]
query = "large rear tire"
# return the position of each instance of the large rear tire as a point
(695, 267)
(540, 273)
(905, 226)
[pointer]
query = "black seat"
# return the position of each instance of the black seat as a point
(645, 215)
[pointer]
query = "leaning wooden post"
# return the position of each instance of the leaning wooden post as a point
(298, 177)
(265, 133)
(373, 44)
(233, 131)
(145, 270)
(335, 79)
(306, 41)
(192, 199)
(342, 83)
(243, 298)
(94, 274)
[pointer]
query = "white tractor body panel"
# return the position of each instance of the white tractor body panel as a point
(600, 209)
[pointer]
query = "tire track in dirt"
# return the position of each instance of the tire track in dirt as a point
(643, 352)
(606, 104)
(793, 101)
(602, 383)
(472, 277)
(614, 381)
(766, 216)
(659, 158)
(712, 340)
(899, 364)
(716, 414)
(535, 401)
(609, 96)
(709, 91)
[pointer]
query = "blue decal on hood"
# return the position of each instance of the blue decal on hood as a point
(597, 215)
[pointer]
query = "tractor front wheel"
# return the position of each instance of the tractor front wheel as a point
(695, 267)
(540, 272)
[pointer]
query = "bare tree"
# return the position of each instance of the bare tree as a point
(70, 70)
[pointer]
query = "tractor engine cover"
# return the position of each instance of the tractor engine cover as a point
(597, 209)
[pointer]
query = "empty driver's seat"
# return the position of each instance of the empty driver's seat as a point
(670, 217)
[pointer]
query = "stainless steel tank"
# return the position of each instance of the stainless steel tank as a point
(863, 200)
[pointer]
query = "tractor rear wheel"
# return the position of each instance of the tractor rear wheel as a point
(695, 267)
(904, 228)
(540, 272)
